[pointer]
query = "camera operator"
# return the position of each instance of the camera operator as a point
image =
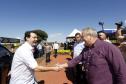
(119, 34)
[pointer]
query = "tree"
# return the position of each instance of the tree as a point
(42, 35)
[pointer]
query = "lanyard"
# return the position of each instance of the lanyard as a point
(86, 59)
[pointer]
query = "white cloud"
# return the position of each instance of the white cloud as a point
(125, 23)
(55, 35)
(59, 37)
(18, 37)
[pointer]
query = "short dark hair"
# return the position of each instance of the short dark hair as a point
(77, 34)
(103, 32)
(27, 34)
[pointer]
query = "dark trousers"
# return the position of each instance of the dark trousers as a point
(80, 75)
(55, 53)
(1, 69)
(48, 57)
(40, 53)
(76, 75)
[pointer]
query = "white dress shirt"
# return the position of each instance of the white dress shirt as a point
(78, 47)
(55, 46)
(22, 70)
(108, 41)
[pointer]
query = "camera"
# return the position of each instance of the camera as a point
(119, 23)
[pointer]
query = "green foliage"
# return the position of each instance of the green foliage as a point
(42, 35)
(5, 45)
(64, 51)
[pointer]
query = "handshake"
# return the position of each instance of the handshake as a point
(59, 67)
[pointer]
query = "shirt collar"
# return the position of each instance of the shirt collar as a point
(28, 46)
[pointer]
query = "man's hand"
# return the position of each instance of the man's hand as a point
(57, 68)
(62, 66)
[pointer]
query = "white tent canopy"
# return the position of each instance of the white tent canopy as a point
(72, 34)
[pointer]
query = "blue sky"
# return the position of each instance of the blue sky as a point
(58, 17)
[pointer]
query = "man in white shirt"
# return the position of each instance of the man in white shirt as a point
(77, 49)
(24, 65)
(78, 45)
(76, 72)
(55, 47)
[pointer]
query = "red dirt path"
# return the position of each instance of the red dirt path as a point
(53, 77)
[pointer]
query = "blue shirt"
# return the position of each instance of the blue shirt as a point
(103, 63)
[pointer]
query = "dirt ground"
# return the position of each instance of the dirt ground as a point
(53, 77)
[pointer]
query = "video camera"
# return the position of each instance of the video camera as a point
(119, 23)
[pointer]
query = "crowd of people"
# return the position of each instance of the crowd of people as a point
(102, 62)
(95, 60)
